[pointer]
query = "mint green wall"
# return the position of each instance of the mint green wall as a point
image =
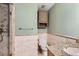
(64, 19)
(26, 18)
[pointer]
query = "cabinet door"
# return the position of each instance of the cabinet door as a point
(43, 17)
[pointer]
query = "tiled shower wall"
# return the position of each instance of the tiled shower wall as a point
(4, 26)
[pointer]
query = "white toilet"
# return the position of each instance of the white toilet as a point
(72, 51)
(43, 43)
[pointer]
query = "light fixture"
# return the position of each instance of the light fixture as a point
(42, 6)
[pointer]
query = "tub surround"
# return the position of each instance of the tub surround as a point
(55, 44)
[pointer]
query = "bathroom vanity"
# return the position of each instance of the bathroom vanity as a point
(50, 53)
(56, 45)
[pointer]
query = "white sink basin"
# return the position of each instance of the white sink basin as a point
(72, 51)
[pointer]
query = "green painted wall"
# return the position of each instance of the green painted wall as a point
(26, 18)
(64, 19)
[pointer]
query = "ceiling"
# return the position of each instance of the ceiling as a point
(45, 6)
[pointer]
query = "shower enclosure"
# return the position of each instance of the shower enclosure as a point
(4, 29)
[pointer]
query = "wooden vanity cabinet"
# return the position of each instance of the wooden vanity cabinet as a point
(50, 53)
(42, 19)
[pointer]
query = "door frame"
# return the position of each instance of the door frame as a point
(12, 29)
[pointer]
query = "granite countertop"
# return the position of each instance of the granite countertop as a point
(57, 49)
